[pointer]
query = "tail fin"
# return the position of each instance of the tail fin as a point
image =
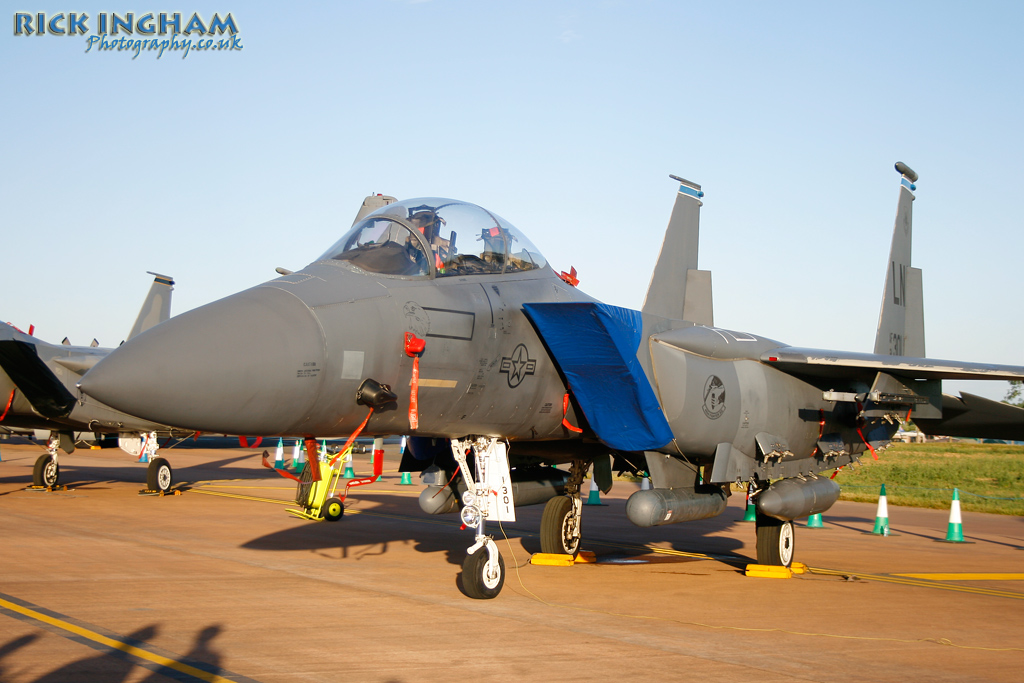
(678, 290)
(157, 306)
(371, 204)
(901, 318)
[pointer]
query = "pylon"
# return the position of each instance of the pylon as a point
(279, 453)
(645, 484)
(955, 533)
(750, 515)
(882, 516)
(323, 450)
(349, 473)
(295, 453)
(815, 522)
(595, 496)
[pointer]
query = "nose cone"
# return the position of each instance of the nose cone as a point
(248, 364)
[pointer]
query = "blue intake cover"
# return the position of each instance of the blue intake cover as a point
(595, 345)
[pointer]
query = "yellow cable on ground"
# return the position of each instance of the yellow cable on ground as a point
(937, 641)
(679, 553)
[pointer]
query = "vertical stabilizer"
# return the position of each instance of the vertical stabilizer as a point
(157, 306)
(371, 204)
(678, 290)
(901, 318)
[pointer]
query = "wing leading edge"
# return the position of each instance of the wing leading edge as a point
(822, 363)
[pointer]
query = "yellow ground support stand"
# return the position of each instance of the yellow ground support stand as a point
(312, 495)
(318, 499)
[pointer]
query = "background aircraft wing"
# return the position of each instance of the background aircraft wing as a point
(821, 363)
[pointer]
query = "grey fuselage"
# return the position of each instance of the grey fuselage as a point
(325, 329)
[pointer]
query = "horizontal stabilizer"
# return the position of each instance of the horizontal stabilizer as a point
(818, 363)
(595, 345)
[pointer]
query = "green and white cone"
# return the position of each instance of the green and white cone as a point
(349, 473)
(406, 479)
(279, 453)
(815, 522)
(295, 453)
(882, 516)
(955, 532)
(594, 498)
(751, 513)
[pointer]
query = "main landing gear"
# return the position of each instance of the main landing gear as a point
(775, 541)
(560, 523)
(159, 476)
(489, 496)
(46, 471)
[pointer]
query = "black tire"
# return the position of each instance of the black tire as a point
(475, 582)
(555, 525)
(333, 509)
(46, 472)
(775, 541)
(159, 476)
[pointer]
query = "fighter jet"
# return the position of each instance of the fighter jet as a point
(37, 387)
(439, 319)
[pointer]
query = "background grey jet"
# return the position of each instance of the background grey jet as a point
(38, 392)
(439, 319)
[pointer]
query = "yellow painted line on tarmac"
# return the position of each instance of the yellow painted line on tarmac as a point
(966, 576)
(921, 583)
(232, 486)
(918, 580)
(115, 644)
(353, 492)
(239, 497)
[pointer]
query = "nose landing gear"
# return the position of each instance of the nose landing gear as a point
(488, 496)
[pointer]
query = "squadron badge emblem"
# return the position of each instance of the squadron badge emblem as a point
(714, 397)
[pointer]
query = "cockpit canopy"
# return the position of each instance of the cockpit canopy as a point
(436, 237)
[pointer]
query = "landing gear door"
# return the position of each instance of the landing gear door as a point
(500, 502)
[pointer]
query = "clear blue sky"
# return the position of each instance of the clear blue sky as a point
(563, 117)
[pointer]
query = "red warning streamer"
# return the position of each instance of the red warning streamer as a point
(565, 411)
(352, 438)
(413, 348)
(282, 472)
(10, 400)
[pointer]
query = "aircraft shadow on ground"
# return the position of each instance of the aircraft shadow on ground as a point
(359, 536)
(92, 475)
(113, 665)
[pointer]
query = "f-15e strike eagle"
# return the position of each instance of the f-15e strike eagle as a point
(438, 319)
(37, 387)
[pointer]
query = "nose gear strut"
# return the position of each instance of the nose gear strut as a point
(487, 496)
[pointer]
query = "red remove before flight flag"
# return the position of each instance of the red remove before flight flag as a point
(414, 347)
